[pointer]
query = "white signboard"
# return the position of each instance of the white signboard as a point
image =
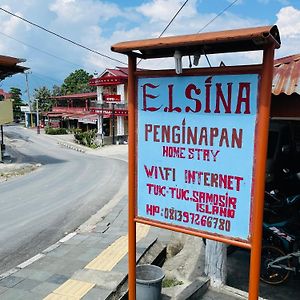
(25, 108)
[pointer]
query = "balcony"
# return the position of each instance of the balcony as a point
(69, 109)
(96, 105)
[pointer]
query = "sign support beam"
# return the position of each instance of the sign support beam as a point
(132, 178)
(259, 192)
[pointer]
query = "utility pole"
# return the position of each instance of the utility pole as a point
(28, 96)
(37, 117)
(2, 144)
(102, 119)
(113, 123)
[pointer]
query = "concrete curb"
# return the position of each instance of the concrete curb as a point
(38, 256)
(231, 291)
(71, 147)
(195, 290)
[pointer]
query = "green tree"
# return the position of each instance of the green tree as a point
(43, 95)
(77, 82)
(16, 95)
(56, 90)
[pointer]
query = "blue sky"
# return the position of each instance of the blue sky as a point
(99, 24)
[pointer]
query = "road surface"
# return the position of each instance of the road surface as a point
(39, 208)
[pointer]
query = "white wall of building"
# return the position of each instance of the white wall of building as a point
(120, 125)
(121, 91)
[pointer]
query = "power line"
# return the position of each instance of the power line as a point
(218, 15)
(212, 20)
(94, 51)
(45, 76)
(207, 24)
(62, 37)
(171, 21)
(40, 50)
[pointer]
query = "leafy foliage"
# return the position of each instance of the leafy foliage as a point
(43, 95)
(55, 131)
(77, 82)
(87, 138)
(16, 95)
(56, 90)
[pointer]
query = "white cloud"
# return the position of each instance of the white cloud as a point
(10, 24)
(288, 21)
(72, 11)
(164, 10)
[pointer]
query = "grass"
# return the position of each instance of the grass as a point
(170, 282)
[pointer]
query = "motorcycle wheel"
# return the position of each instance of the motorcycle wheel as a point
(230, 248)
(271, 275)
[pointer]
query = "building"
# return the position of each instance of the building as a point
(112, 104)
(105, 110)
(73, 111)
(4, 95)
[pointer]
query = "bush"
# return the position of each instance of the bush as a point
(74, 130)
(86, 138)
(54, 131)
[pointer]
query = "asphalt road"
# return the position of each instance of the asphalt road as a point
(39, 208)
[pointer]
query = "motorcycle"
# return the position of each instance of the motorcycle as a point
(279, 207)
(280, 253)
(281, 238)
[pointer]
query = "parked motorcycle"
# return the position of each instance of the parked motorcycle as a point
(281, 254)
(281, 240)
(279, 207)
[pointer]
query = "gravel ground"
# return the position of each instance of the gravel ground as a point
(10, 170)
(14, 162)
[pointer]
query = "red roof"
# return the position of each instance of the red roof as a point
(286, 75)
(122, 72)
(110, 77)
(77, 96)
(5, 94)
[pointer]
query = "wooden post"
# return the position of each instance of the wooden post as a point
(259, 172)
(216, 263)
(131, 179)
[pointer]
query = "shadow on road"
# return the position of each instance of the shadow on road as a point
(42, 159)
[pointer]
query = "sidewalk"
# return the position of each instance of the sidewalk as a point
(91, 263)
